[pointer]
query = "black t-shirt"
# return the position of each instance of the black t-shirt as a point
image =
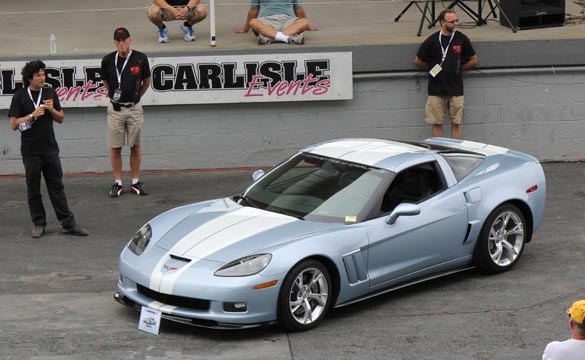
(449, 82)
(135, 71)
(177, 2)
(40, 139)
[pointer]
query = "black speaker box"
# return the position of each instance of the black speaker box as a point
(532, 14)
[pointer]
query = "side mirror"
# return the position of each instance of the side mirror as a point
(257, 174)
(404, 209)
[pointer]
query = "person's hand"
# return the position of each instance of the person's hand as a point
(49, 104)
(242, 29)
(313, 28)
(40, 111)
(180, 13)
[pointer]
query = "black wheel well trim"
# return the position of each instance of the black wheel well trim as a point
(333, 274)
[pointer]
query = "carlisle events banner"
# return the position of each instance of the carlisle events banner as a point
(201, 79)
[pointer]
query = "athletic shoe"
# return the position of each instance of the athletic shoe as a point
(116, 190)
(296, 39)
(163, 35)
(188, 33)
(139, 189)
(263, 40)
(38, 231)
(75, 230)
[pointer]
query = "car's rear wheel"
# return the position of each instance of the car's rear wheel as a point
(305, 296)
(501, 240)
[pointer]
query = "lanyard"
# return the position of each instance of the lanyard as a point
(38, 102)
(444, 50)
(119, 73)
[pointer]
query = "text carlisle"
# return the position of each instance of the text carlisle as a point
(202, 80)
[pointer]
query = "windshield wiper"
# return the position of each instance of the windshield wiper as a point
(247, 201)
(285, 212)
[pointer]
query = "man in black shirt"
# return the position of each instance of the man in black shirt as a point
(446, 54)
(32, 111)
(126, 75)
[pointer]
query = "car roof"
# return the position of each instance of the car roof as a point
(395, 155)
(371, 152)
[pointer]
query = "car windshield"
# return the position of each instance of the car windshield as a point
(318, 188)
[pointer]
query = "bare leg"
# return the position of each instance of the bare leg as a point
(260, 28)
(135, 160)
(116, 159)
(456, 131)
(300, 25)
(200, 14)
(155, 15)
(437, 130)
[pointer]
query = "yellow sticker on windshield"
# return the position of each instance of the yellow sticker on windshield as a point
(351, 218)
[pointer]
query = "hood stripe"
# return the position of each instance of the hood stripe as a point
(214, 236)
(233, 234)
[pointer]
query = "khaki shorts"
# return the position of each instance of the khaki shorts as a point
(124, 126)
(279, 22)
(438, 106)
(167, 15)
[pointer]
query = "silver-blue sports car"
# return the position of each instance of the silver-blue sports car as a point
(335, 223)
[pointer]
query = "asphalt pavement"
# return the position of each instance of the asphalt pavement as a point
(56, 292)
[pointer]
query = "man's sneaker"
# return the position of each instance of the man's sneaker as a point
(37, 231)
(163, 35)
(139, 189)
(263, 40)
(296, 39)
(188, 33)
(116, 190)
(75, 230)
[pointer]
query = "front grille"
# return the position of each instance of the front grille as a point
(180, 301)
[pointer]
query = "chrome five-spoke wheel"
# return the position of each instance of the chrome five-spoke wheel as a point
(305, 296)
(502, 239)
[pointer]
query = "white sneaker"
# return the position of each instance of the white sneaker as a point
(163, 35)
(263, 40)
(188, 33)
(296, 39)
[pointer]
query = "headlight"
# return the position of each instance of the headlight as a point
(245, 266)
(140, 240)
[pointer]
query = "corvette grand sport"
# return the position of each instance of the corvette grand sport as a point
(335, 223)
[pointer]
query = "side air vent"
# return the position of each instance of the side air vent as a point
(355, 266)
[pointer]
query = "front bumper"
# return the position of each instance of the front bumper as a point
(190, 321)
(193, 294)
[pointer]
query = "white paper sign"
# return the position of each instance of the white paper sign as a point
(149, 320)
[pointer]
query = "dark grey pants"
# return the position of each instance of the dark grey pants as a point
(49, 166)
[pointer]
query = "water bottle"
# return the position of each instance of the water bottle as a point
(52, 44)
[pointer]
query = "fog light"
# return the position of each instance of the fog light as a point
(235, 307)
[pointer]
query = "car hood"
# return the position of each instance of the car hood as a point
(224, 231)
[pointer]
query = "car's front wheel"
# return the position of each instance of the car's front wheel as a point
(501, 240)
(305, 296)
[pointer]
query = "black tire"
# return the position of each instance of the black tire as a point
(305, 296)
(501, 241)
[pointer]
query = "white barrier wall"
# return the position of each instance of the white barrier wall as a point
(542, 113)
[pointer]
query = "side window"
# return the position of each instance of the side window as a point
(462, 164)
(413, 185)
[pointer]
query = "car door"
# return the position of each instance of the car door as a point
(420, 244)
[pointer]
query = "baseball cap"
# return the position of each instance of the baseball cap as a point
(121, 33)
(577, 311)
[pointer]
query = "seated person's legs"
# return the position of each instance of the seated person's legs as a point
(279, 28)
(297, 26)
